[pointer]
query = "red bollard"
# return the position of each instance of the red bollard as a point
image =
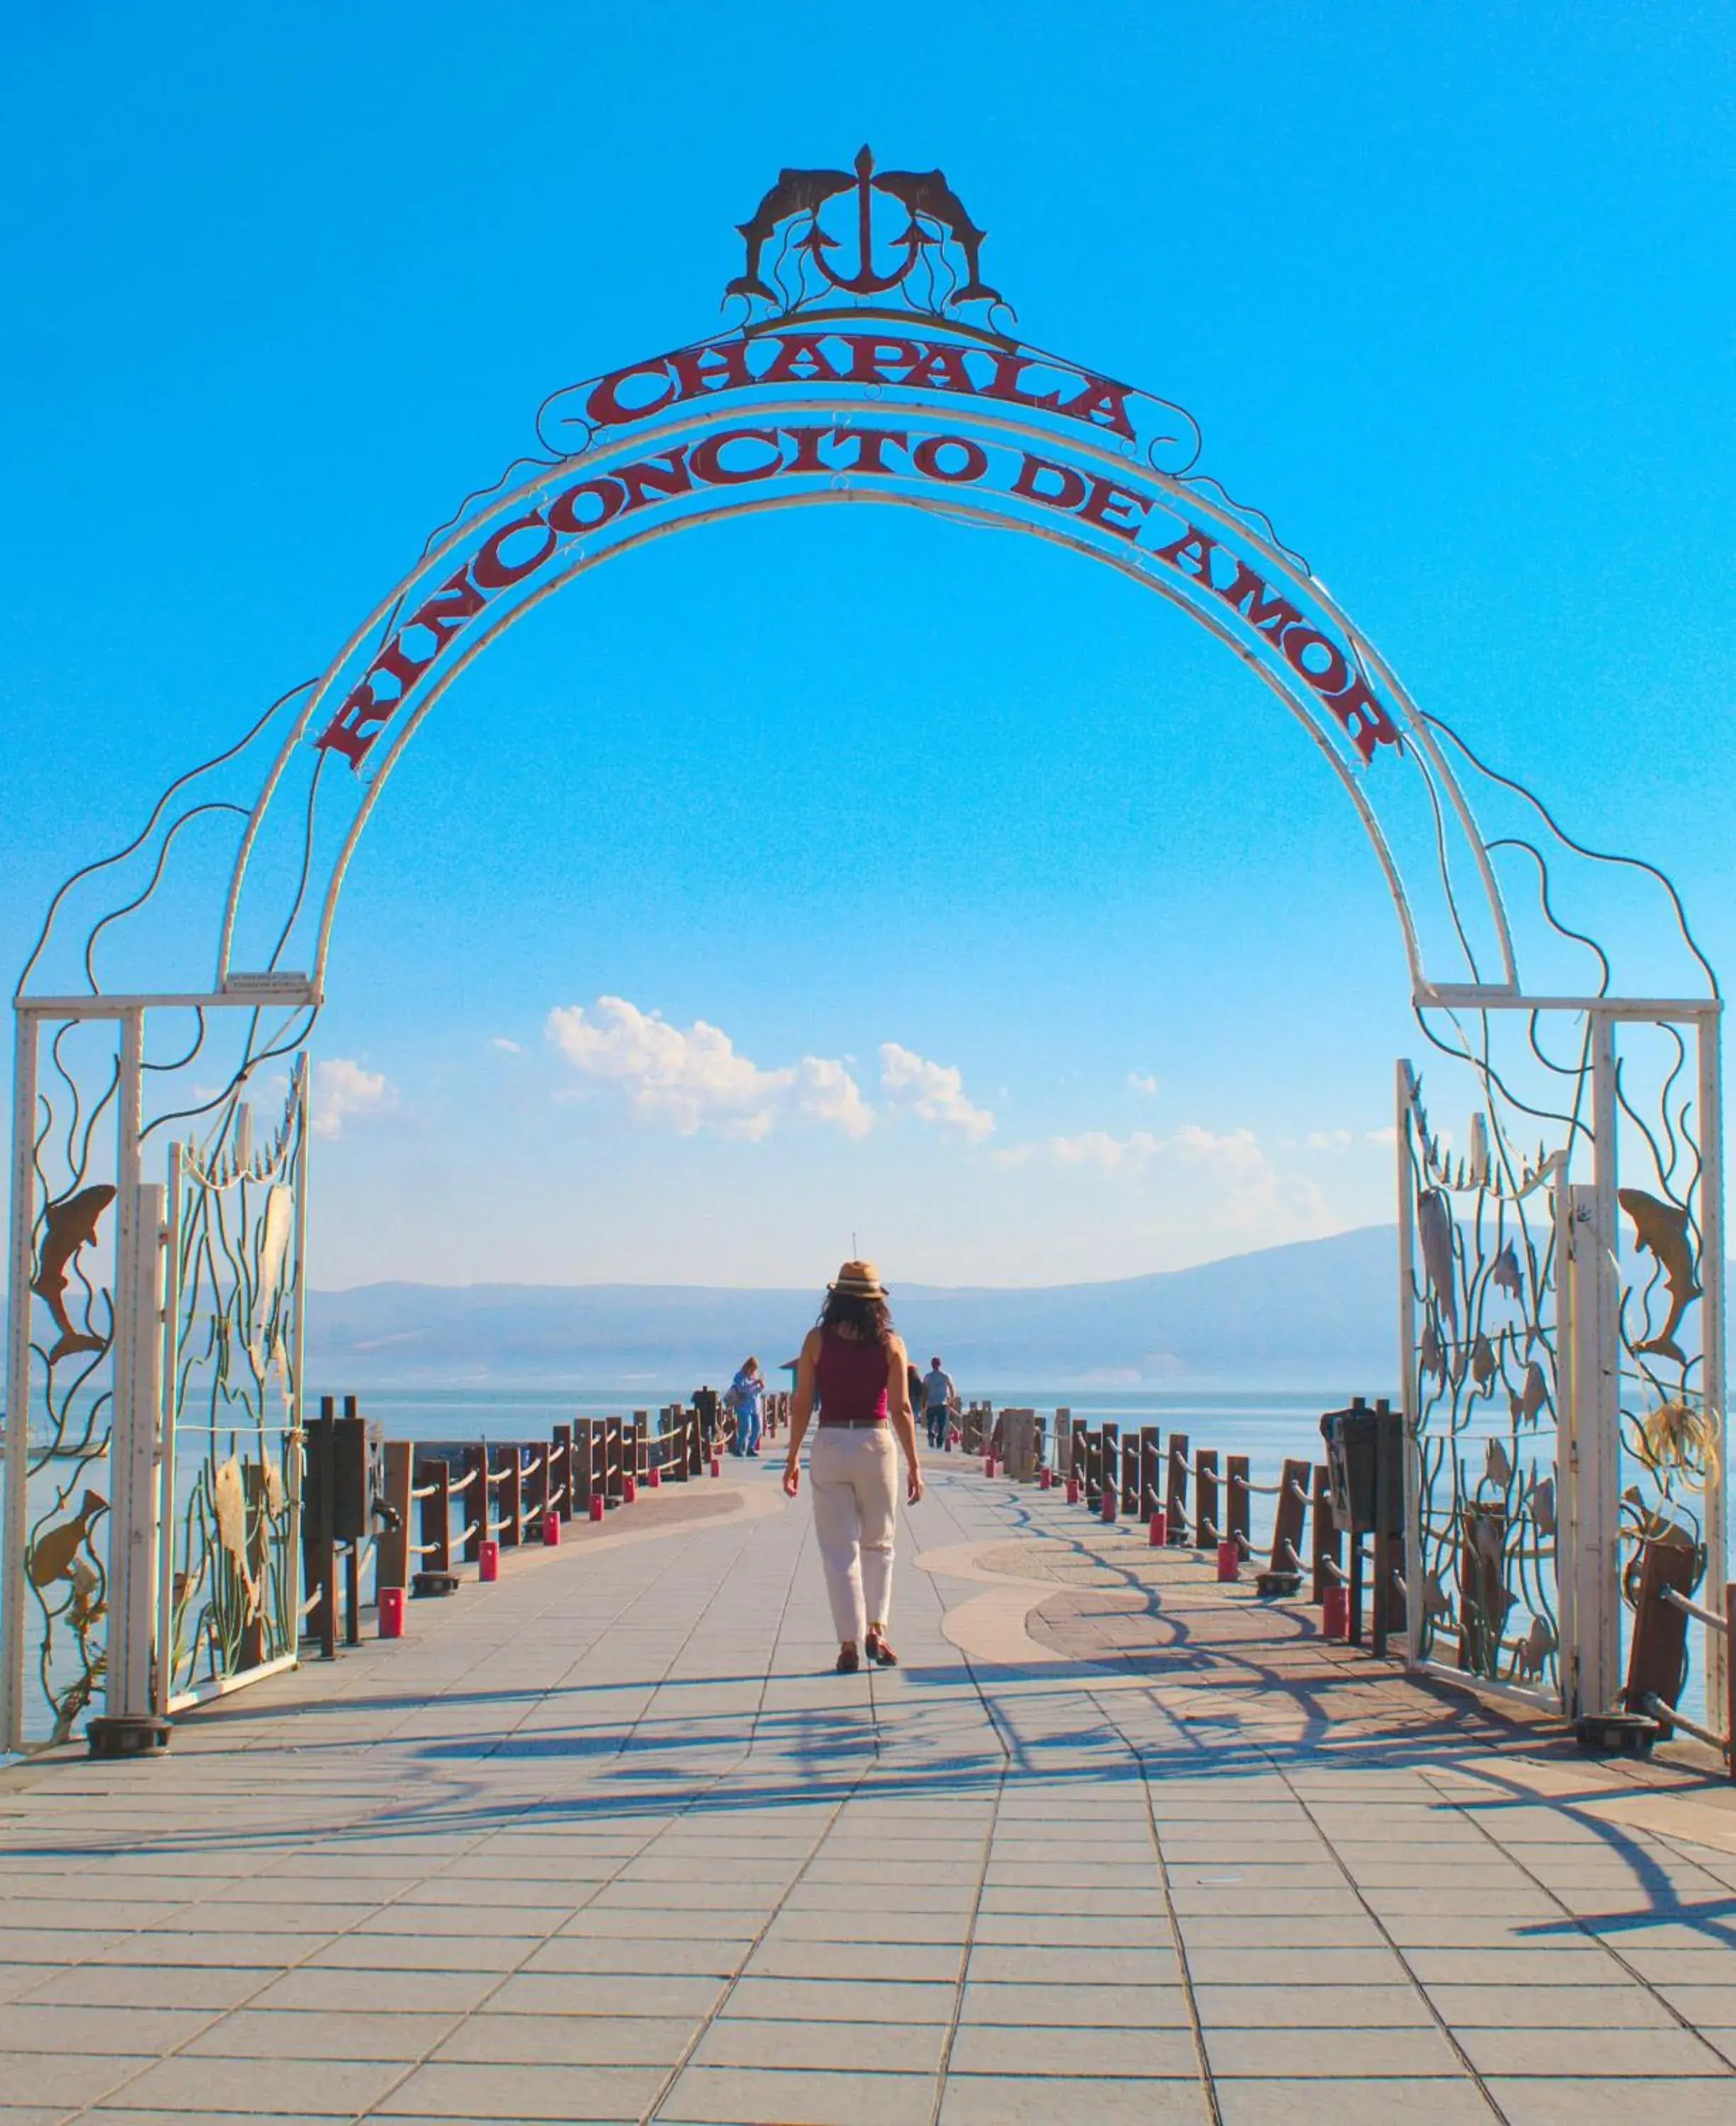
(1107, 1501)
(487, 1559)
(628, 1488)
(988, 1465)
(391, 1613)
(1160, 1528)
(1045, 1479)
(654, 1478)
(596, 1506)
(551, 1531)
(1335, 1612)
(1073, 1490)
(717, 1466)
(1229, 1560)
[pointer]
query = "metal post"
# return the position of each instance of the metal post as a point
(1410, 1401)
(294, 1444)
(1588, 1570)
(1719, 1667)
(25, 1027)
(169, 1407)
(129, 1726)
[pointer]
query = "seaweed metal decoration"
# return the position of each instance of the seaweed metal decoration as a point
(1482, 1281)
(234, 1419)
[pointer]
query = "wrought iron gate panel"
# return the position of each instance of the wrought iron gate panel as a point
(229, 1594)
(1663, 1130)
(1479, 1274)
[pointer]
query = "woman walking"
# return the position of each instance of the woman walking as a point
(852, 1364)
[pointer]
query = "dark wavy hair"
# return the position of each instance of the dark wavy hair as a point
(870, 1319)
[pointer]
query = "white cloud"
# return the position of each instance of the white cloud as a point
(343, 1091)
(1388, 1137)
(507, 1048)
(1337, 1140)
(692, 1078)
(1143, 1081)
(932, 1090)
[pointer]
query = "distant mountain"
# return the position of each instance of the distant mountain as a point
(1318, 1312)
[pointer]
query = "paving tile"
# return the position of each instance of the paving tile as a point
(317, 2088)
(1378, 2101)
(457, 2090)
(1540, 2100)
(1553, 2007)
(387, 1992)
(885, 2048)
(749, 2096)
(47, 2078)
(602, 1993)
(636, 1955)
(1294, 2053)
(274, 2034)
(841, 1999)
(1571, 2052)
(996, 2100)
(1003, 2049)
(579, 2040)
(1041, 1963)
(1073, 2006)
(838, 1959)
(1296, 1967)
(1312, 2007)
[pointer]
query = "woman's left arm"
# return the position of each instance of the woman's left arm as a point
(801, 1409)
(898, 1403)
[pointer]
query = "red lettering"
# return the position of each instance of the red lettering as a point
(926, 458)
(397, 664)
(942, 369)
(706, 458)
(870, 446)
(1367, 723)
(1069, 494)
(1004, 384)
(1265, 609)
(347, 732)
(870, 359)
(808, 458)
(1106, 504)
(493, 573)
(455, 602)
(721, 367)
(1329, 678)
(564, 511)
(604, 407)
(801, 358)
(1103, 403)
(1192, 554)
(666, 474)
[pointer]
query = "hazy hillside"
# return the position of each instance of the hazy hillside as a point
(1318, 1312)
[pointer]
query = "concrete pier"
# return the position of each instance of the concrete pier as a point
(607, 1840)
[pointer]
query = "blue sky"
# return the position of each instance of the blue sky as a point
(1450, 293)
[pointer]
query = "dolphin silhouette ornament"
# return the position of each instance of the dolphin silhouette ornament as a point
(69, 1226)
(1663, 1229)
(796, 191)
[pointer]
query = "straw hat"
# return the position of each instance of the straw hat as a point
(858, 1280)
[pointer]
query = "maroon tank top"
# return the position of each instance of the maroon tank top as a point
(850, 1378)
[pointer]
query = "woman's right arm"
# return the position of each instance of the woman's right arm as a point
(801, 1409)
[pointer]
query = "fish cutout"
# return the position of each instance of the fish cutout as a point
(1435, 1230)
(796, 191)
(1543, 1505)
(274, 1244)
(228, 1503)
(1432, 1359)
(1482, 1361)
(1497, 1466)
(1662, 1228)
(1435, 1601)
(1504, 1276)
(52, 1555)
(927, 192)
(70, 1225)
(1533, 1393)
(1535, 1649)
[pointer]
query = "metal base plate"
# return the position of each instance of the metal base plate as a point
(1618, 1734)
(1271, 1584)
(128, 1735)
(422, 1584)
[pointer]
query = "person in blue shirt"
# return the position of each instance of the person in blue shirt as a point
(747, 1398)
(940, 1399)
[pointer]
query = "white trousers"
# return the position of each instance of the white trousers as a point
(853, 1470)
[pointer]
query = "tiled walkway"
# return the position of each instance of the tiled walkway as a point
(608, 1841)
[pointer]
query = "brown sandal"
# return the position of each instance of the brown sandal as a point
(879, 1652)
